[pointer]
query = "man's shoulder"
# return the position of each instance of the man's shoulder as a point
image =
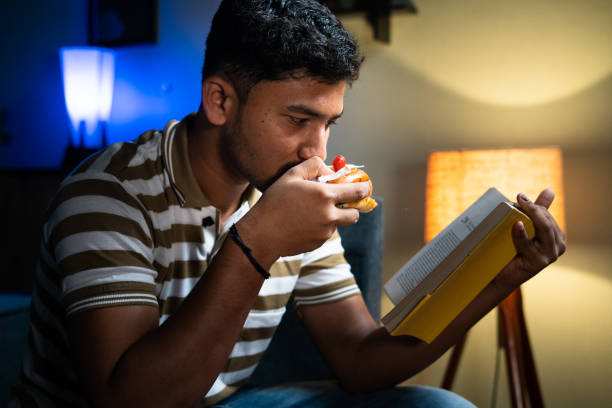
(139, 158)
(126, 171)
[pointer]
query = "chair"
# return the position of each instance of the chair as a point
(292, 356)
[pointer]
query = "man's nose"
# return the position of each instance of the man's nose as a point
(315, 145)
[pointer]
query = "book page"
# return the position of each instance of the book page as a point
(425, 261)
(430, 256)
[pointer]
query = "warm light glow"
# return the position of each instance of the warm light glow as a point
(88, 74)
(514, 53)
(455, 179)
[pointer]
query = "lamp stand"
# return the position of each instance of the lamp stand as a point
(74, 155)
(514, 339)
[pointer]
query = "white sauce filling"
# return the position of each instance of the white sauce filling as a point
(333, 176)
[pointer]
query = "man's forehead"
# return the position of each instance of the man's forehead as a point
(307, 110)
(305, 92)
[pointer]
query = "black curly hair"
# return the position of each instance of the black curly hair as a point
(255, 40)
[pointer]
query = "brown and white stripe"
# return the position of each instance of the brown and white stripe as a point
(125, 228)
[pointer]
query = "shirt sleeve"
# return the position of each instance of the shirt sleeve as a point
(98, 240)
(325, 276)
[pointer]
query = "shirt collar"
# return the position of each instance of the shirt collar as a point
(176, 159)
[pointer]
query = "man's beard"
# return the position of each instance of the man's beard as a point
(235, 143)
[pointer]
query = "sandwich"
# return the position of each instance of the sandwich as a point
(349, 173)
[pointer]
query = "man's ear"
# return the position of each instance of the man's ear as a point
(219, 100)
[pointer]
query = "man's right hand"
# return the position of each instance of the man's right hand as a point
(297, 214)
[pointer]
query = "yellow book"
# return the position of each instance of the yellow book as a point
(435, 285)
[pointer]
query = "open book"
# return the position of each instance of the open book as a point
(436, 284)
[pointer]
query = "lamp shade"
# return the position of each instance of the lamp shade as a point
(88, 76)
(455, 179)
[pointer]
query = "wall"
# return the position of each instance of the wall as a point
(474, 73)
(154, 82)
(30, 84)
(478, 74)
(446, 82)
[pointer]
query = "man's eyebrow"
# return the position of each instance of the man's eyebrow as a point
(303, 109)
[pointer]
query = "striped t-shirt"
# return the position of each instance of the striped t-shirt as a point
(131, 226)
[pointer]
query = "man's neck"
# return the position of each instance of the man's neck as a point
(220, 187)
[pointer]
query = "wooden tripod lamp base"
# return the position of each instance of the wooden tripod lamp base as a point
(514, 339)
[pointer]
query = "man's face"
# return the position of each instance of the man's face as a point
(281, 124)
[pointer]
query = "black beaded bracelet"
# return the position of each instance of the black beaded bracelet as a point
(247, 251)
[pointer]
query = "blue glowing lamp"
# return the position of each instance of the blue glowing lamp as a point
(88, 76)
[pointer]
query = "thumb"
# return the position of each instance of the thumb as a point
(545, 198)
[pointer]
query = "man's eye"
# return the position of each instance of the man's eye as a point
(331, 123)
(298, 121)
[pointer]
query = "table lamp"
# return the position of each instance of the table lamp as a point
(455, 179)
(87, 76)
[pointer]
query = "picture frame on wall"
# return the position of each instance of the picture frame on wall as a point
(119, 22)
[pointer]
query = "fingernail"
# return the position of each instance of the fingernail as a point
(523, 197)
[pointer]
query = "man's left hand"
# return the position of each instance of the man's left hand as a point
(535, 254)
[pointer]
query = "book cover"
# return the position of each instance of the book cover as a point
(435, 285)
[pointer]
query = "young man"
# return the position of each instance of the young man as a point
(152, 284)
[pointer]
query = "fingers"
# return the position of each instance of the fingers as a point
(334, 194)
(539, 215)
(527, 247)
(545, 199)
(348, 192)
(346, 216)
(310, 169)
(549, 240)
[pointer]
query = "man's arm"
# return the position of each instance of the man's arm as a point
(124, 359)
(366, 357)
